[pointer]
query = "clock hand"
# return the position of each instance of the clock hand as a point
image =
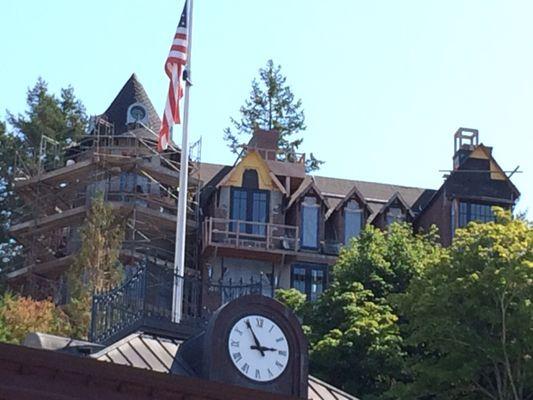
(258, 345)
(263, 348)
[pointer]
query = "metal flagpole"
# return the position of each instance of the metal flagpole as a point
(179, 256)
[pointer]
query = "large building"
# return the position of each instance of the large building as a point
(254, 226)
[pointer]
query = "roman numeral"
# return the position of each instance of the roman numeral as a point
(245, 368)
(279, 365)
(280, 339)
(270, 330)
(270, 374)
(237, 357)
(238, 331)
(235, 343)
(282, 353)
(259, 322)
(257, 374)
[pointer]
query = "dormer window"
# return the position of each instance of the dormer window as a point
(394, 214)
(353, 220)
(309, 225)
(136, 113)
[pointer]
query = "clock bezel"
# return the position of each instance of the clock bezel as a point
(285, 334)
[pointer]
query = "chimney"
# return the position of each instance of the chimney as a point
(465, 141)
(265, 142)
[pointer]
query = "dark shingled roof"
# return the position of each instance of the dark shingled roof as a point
(131, 92)
(335, 189)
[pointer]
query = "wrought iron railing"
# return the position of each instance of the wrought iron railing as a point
(145, 300)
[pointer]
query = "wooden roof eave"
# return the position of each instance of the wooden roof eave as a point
(395, 196)
(352, 192)
(303, 190)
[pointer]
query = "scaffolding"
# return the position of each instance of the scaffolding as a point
(57, 188)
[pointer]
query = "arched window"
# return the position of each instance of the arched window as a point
(309, 225)
(353, 220)
(250, 180)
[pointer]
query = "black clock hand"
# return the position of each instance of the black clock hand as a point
(257, 344)
(263, 348)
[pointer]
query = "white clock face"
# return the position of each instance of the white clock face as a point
(258, 348)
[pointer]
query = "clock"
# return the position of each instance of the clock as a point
(252, 341)
(258, 348)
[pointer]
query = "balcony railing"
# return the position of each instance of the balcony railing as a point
(145, 300)
(250, 235)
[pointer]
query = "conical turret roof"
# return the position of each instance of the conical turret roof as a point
(132, 92)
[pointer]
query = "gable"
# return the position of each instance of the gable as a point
(266, 179)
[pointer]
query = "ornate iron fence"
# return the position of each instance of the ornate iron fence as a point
(145, 300)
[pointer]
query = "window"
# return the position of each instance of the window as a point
(474, 212)
(309, 225)
(259, 212)
(353, 221)
(249, 205)
(250, 179)
(309, 279)
(394, 214)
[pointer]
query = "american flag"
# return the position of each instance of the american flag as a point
(177, 58)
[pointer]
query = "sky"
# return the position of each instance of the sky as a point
(384, 84)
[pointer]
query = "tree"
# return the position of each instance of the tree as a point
(9, 201)
(62, 119)
(470, 317)
(271, 106)
(97, 265)
(22, 315)
(353, 328)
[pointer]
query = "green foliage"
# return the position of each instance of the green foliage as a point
(471, 317)
(292, 298)
(62, 119)
(353, 328)
(356, 343)
(384, 262)
(271, 106)
(9, 201)
(22, 315)
(97, 265)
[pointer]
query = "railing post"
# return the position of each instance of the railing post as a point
(268, 236)
(238, 232)
(92, 331)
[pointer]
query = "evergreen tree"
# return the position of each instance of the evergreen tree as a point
(271, 106)
(62, 119)
(9, 201)
(97, 265)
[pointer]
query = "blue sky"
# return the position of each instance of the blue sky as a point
(384, 84)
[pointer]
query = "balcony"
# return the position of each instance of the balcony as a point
(144, 302)
(249, 235)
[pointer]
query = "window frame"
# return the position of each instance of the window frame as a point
(308, 281)
(249, 210)
(317, 207)
(465, 212)
(354, 211)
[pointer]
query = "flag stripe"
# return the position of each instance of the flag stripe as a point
(177, 58)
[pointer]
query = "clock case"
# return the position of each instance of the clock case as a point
(207, 353)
